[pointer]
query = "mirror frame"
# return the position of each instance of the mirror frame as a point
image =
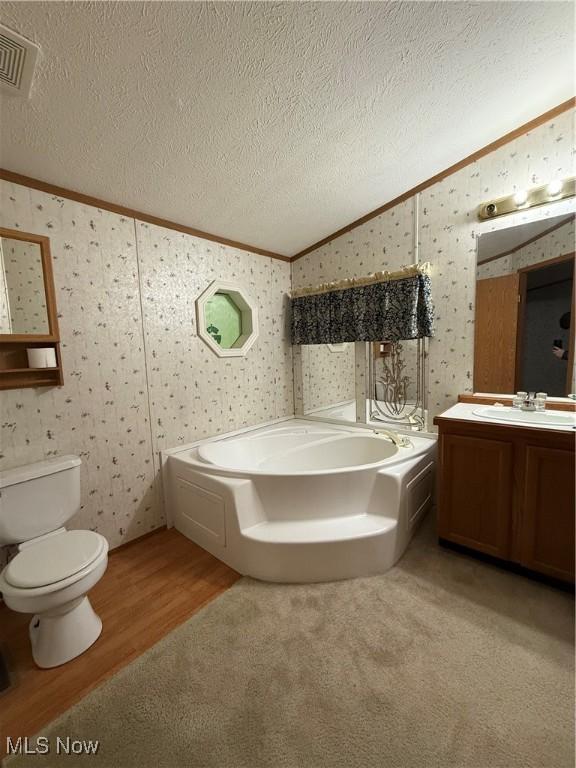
(49, 291)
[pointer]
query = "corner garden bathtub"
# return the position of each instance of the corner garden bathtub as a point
(301, 501)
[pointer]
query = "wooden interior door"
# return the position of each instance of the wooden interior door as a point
(495, 332)
(547, 509)
(475, 493)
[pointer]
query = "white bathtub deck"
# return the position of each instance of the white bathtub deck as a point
(320, 529)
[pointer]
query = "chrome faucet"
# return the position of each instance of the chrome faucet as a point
(529, 402)
(399, 440)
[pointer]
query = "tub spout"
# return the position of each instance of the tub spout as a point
(399, 440)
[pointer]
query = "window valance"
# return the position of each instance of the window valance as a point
(387, 306)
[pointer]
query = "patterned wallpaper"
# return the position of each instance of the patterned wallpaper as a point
(386, 242)
(22, 297)
(194, 393)
(557, 243)
(136, 377)
(101, 413)
(447, 231)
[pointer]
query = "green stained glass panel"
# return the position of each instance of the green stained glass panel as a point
(223, 320)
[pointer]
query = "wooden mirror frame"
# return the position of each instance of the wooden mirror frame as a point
(50, 295)
(14, 370)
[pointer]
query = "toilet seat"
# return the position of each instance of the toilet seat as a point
(54, 559)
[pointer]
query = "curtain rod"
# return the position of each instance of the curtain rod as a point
(412, 270)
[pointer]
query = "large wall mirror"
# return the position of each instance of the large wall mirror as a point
(394, 386)
(524, 323)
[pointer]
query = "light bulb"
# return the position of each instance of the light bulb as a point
(520, 197)
(554, 188)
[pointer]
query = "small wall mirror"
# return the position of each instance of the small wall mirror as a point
(23, 296)
(29, 337)
(227, 319)
(524, 323)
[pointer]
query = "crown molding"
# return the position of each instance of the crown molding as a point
(131, 213)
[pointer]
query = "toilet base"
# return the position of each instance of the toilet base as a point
(60, 635)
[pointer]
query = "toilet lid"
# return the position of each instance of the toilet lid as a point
(54, 559)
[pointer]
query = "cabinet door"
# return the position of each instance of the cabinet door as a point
(475, 495)
(547, 524)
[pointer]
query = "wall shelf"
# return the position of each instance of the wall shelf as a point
(15, 374)
(29, 370)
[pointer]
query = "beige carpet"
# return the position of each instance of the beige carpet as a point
(443, 662)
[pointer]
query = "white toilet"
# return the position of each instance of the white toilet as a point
(54, 568)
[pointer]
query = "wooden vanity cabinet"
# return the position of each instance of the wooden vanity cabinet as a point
(508, 491)
(546, 511)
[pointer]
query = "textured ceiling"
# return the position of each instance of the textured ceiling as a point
(275, 123)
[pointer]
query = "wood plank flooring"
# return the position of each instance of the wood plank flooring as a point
(150, 587)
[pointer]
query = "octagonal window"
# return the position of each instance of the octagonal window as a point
(223, 320)
(227, 319)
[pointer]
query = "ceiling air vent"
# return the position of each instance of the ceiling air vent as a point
(17, 60)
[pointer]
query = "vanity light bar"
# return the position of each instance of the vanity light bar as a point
(523, 199)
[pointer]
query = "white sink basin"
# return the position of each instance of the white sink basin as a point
(543, 418)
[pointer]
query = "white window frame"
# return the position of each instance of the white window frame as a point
(248, 310)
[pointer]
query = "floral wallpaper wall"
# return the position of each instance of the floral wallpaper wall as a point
(101, 413)
(447, 228)
(386, 242)
(23, 308)
(136, 377)
(194, 393)
(557, 243)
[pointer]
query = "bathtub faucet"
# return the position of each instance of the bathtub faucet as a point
(399, 440)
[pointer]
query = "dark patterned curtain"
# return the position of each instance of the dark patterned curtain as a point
(386, 310)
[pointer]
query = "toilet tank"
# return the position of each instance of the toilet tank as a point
(38, 498)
